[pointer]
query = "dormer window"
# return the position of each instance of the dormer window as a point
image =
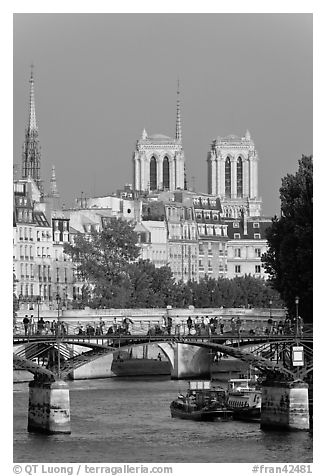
(236, 236)
(256, 236)
(235, 224)
(256, 225)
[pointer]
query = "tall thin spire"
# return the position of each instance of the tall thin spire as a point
(32, 115)
(178, 133)
(31, 149)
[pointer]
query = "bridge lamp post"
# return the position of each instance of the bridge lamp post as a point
(38, 300)
(270, 308)
(296, 300)
(58, 299)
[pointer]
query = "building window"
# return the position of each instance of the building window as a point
(257, 252)
(239, 177)
(236, 236)
(237, 252)
(38, 236)
(201, 248)
(256, 236)
(256, 225)
(258, 269)
(153, 174)
(235, 224)
(228, 177)
(237, 269)
(166, 173)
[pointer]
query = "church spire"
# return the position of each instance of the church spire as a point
(31, 149)
(54, 189)
(32, 116)
(178, 134)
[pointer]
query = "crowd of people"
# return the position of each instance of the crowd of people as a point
(193, 325)
(39, 326)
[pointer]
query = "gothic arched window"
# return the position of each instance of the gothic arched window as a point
(239, 177)
(152, 174)
(228, 177)
(166, 173)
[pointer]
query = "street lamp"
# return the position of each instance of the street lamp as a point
(270, 308)
(296, 300)
(58, 299)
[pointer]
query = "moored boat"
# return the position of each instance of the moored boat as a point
(201, 402)
(244, 399)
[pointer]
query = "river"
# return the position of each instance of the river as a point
(120, 420)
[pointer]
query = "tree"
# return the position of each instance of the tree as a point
(102, 260)
(288, 260)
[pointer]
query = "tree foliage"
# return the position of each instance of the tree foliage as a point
(115, 277)
(289, 259)
(102, 260)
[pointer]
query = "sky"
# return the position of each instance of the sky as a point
(101, 78)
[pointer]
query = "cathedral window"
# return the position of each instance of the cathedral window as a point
(228, 177)
(166, 173)
(153, 174)
(239, 177)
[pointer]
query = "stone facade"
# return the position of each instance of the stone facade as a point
(246, 245)
(158, 163)
(182, 241)
(212, 237)
(233, 175)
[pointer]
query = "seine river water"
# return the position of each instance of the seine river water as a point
(128, 420)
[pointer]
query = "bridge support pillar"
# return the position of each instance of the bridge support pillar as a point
(285, 406)
(48, 407)
(190, 362)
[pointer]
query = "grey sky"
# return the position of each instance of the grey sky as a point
(101, 78)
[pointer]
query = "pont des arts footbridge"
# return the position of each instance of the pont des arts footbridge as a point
(285, 391)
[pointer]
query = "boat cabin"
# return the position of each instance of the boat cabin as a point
(240, 384)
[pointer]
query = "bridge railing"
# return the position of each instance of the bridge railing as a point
(153, 327)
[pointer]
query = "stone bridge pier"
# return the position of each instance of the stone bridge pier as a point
(187, 361)
(48, 407)
(285, 405)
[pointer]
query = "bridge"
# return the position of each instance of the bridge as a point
(189, 356)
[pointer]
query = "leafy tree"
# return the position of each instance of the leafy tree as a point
(288, 260)
(102, 259)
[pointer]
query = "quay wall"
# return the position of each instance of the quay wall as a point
(49, 407)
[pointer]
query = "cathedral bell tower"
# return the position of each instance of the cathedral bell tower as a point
(31, 157)
(158, 161)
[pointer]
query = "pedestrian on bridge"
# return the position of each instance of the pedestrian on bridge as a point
(233, 326)
(189, 324)
(221, 326)
(32, 329)
(238, 325)
(26, 324)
